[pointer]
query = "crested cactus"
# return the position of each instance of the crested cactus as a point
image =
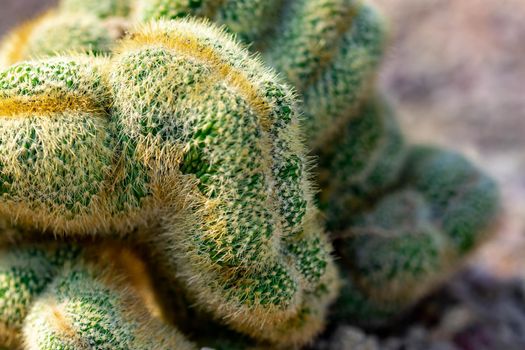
(414, 236)
(183, 124)
(182, 143)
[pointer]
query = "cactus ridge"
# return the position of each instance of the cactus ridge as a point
(415, 236)
(252, 281)
(365, 159)
(24, 274)
(87, 307)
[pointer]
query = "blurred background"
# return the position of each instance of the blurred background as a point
(456, 73)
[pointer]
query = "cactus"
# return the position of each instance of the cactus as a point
(328, 49)
(364, 159)
(184, 144)
(24, 274)
(414, 236)
(228, 178)
(88, 307)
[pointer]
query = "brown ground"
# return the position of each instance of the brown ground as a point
(456, 74)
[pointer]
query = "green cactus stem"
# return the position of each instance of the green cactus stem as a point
(415, 236)
(364, 159)
(24, 274)
(90, 306)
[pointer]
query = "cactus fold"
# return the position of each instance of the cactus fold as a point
(238, 144)
(329, 50)
(87, 307)
(364, 159)
(414, 236)
(24, 274)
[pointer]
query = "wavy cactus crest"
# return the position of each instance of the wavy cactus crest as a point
(199, 134)
(415, 236)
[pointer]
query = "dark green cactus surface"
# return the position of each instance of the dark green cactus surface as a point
(415, 234)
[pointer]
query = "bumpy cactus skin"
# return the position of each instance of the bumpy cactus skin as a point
(54, 122)
(226, 242)
(416, 235)
(57, 296)
(328, 49)
(364, 159)
(87, 307)
(24, 274)
(199, 134)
